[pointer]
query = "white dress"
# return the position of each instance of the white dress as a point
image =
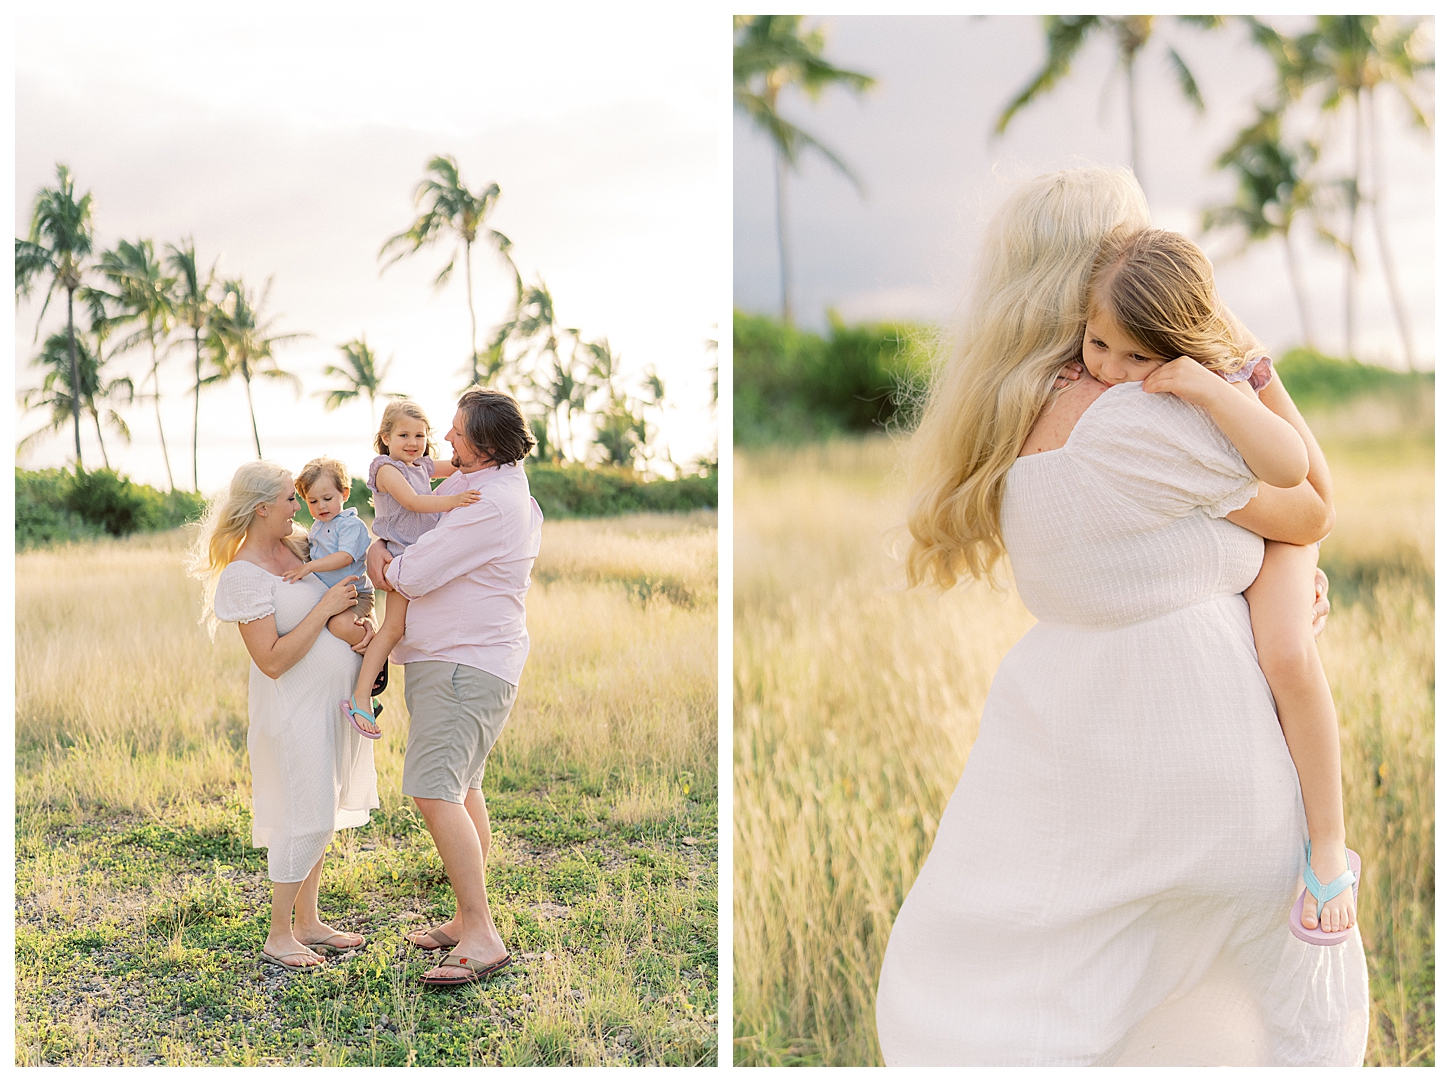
(312, 773)
(1111, 880)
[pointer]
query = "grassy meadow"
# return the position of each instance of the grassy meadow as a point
(857, 702)
(141, 906)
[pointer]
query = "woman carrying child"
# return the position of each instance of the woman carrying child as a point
(1111, 881)
(311, 775)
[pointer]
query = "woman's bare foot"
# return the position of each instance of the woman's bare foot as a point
(290, 952)
(486, 948)
(324, 936)
(1329, 864)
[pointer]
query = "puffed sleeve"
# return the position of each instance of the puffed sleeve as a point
(429, 466)
(1162, 452)
(244, 592)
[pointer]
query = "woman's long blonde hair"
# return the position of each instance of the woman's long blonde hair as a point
(225, 526)
(1024, 320)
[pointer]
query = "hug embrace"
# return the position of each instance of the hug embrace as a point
(1144, 861)
(455, 566)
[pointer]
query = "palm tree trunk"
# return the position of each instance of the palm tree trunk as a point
(1376, 213)
(780, 171)
(1350, 258)
(156, 398)
(96, 417)
(472, 319)
(196, 410)
(1301, 299)
(247, 381)
(1133, 124)
(75, 372)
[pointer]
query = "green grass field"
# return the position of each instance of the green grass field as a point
(141, 906)
(856, 703)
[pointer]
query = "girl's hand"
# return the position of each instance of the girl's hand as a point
(297, 573)
(1321, 602)
(463, 499)
(1186, 378)
(341, 597)
(1067, 374)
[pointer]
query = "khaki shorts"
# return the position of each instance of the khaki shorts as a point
(364, 605)
(456, 713)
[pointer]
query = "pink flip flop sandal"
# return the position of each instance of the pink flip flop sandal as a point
(353, 711)
(1321, 894)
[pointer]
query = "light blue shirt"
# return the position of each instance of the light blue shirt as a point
(343, 533)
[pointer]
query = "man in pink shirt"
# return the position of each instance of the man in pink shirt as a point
(463, 653)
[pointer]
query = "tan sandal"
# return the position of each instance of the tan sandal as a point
(328, 944)
(442, 939)
(280, 959)
(476, 970)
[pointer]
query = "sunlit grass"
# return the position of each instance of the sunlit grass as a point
(141, 905)
(857, 702)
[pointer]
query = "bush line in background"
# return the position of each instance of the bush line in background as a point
(56, 506)
(793, 386)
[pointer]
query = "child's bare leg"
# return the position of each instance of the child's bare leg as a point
(344, 626)
(395, 616)
(1279, 603)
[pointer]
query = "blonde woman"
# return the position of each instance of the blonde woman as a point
(1108, 883)
(311, 773)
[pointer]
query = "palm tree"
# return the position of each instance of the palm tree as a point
(144, 293)
(61, 237)
(362, 375)
(451, 209)
(1066, 35)
(771, 54)
(1350, 57)
(64, 357)
(239, 345)
(1272, 189)
(193, 305)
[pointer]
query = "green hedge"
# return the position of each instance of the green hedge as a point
(52, 506)
(1316, 381)
(792, 386)
(579, 492)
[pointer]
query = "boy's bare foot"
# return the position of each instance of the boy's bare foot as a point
(1328, 862)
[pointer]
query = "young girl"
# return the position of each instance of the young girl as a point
(337, 544)
(405, 510)
(1154, 316)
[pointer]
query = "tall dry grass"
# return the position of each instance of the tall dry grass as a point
(857, 703)
(123, 702)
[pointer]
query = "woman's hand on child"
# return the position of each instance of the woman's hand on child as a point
(296, 573)
(1186, 378)
(341, 597)
(1321, 602)
(463, 499)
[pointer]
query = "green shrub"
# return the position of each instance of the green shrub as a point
(1314, 380)
(574, 491)
(792, 386)
(53, 506)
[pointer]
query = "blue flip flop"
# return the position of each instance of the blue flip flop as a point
(1349, 880)
(353, 712)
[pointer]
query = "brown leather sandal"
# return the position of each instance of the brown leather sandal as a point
(476, 970)
(443, 940)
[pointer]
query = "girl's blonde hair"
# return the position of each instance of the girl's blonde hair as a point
(402, 407)
(1158, 287)
(1024, 320)
(225, 526)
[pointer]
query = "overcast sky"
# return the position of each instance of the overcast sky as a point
(288, 142)
(921, 143)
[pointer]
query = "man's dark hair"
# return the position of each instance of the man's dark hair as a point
(494, 424)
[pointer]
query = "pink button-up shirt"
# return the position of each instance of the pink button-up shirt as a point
(465, 579)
